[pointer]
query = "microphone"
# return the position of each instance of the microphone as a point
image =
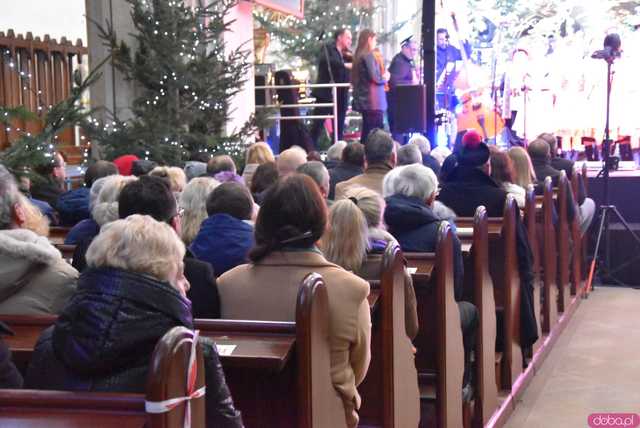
(611, 49)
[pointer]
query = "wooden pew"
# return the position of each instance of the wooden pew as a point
(66, 251)
(530, 219)
(503, 268)
(389, 392)
(578, 260)
(166, 379)
(278, 372)
(564, 251)
(440, 352)
(478, 280)
(57, 234)
(549, 259)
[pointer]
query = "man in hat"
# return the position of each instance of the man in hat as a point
(470, 185)
(403, 72)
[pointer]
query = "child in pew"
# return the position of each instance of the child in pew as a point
(359, 217)
(292, 219)
(413, 222)
(131, 294)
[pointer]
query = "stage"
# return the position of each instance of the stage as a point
(624, 188)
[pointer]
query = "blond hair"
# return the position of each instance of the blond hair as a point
(370, 203)
(138, 244)
(259, 153)
(194, 202)
(524, 172)
(346, 220)
(176, 176)
(34, 220)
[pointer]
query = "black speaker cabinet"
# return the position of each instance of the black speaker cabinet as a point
(409, 107)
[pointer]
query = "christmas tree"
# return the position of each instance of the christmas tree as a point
(185, 79)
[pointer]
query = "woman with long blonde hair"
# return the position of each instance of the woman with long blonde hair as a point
(524, 173)
(346, 219)
(369, 79)
(257, 154)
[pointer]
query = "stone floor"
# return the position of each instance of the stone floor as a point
(593, 368)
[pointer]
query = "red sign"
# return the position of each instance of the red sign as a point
(291, 7)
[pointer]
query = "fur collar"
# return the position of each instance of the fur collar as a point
(24, 244)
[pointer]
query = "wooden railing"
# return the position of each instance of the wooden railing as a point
(36, 74)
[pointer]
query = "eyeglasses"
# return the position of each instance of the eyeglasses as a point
(179, 213)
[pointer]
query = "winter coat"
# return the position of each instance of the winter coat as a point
(10, 377)
(223, 241)
(104, 339)
(341, 172)
(372, 179)
(203, 292)
(415, 226)
(431, 162)
(368, 93)
(47, 190)
(34, 278)
(85, 230)
(543, 169)
(73, 206)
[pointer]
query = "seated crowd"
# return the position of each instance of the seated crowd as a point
(157, 246)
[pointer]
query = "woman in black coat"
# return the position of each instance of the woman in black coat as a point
(132, 293)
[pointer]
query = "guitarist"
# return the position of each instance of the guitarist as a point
(448, 65)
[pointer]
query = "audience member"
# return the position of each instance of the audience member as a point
(257, 154)
(292, 219)
(225, 237)
(350, 165)
(87, 228)
(380, 156)
(557, 162)
(73, 206)
(425, 150)
(124, 164)
(131, 295)
(193, 201)
(314, 155)
(194, 169)
(105, 210)
(175, 176)
(469, 186)
(34, 278)
(51, 183)
(334, 154)
(318, 172)
(440, 153)
(411, 220)
(142, 167)
(524, 173)
(409, 154)
(265, 176)
(448, 166)
(290, 159)
(503, 173)
(24, 186)
(152, 196)
(220, 163)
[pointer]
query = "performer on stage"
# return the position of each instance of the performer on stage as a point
(448, 65)
(332, 68)
(403, 72)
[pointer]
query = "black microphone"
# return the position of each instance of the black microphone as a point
(611, 49)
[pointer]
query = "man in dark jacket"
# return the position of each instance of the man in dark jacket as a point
(73, 206)
(52, 185)
(104, 339)
(152, 196)
(332, 67)
(225, 237)
(411, 220)
(557, 162)
(351, 165)
(402, 71)
(470, 185)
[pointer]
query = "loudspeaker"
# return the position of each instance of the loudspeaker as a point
(409, 107)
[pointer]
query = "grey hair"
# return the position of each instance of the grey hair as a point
(335, 151)
(416, 181)
(388, 183)
(105, 208)
(422, 142)
(8, 197)
(409, 154)
(138, 244)
(96, 187)
(194, 202)
(379, 147)
(440, 153)
(318, 172)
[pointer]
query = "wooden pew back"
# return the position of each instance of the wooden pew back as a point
(440, 351)
(530, 219)
(562, 233)
(390, 390)
(167, 379)
(577, 259)
(549, 259)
